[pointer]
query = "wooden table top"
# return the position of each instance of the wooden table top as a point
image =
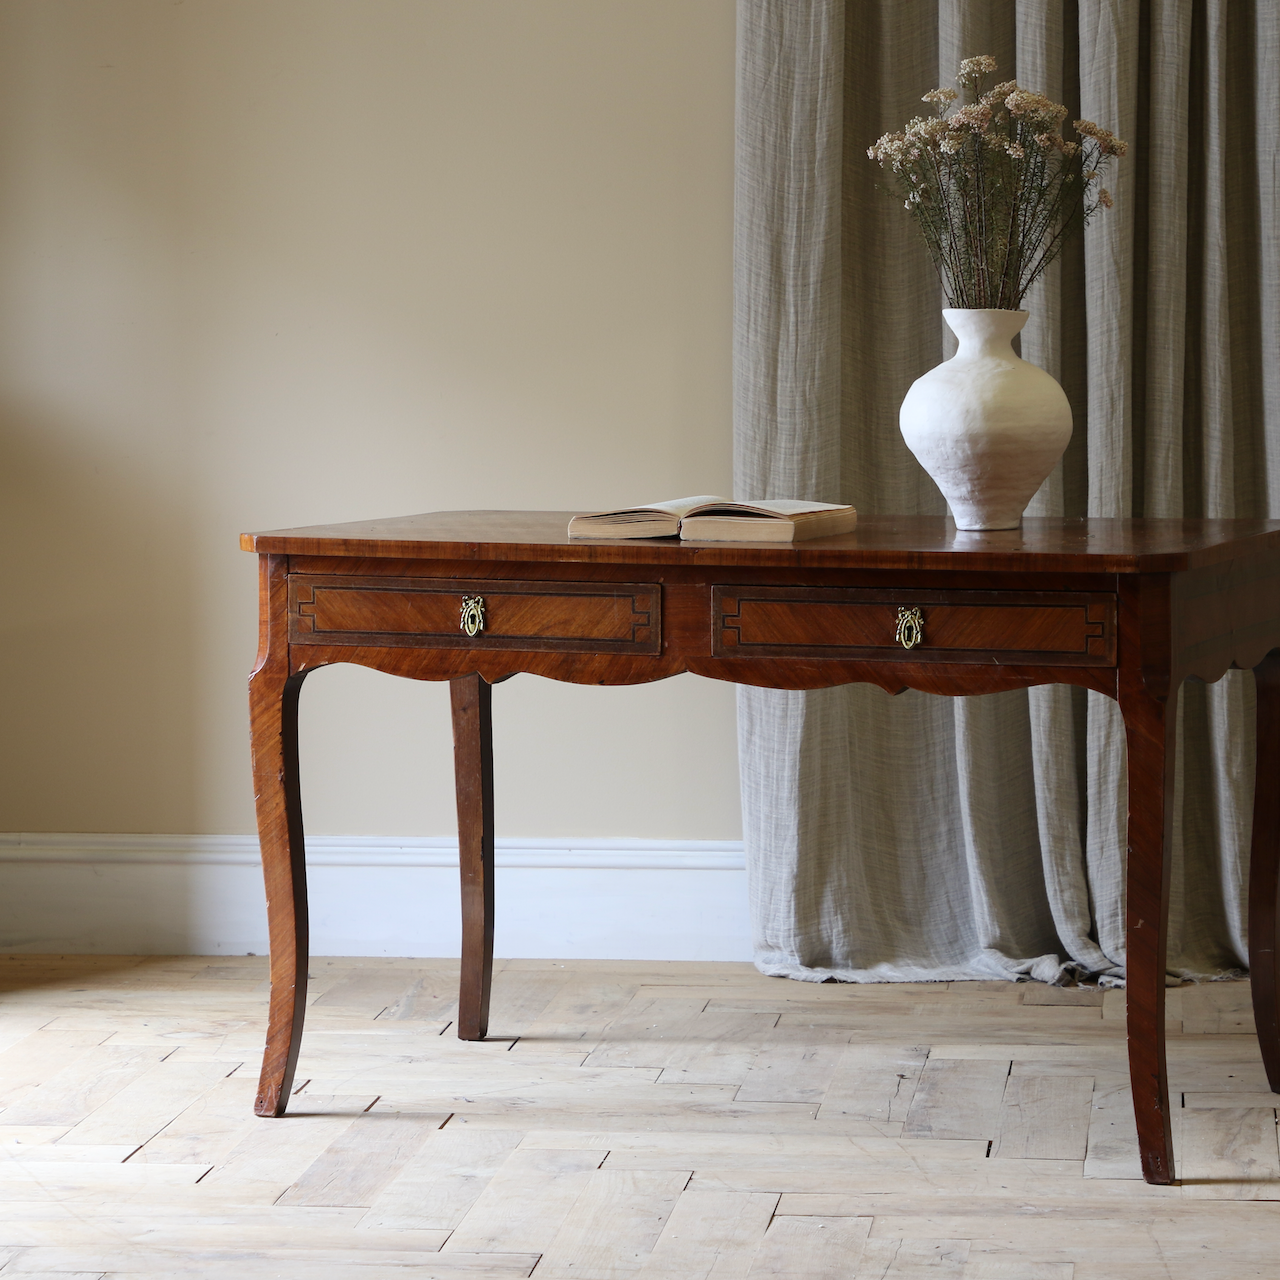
(879, 542)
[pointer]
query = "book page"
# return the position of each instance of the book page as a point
(677, 507)
(783, 508)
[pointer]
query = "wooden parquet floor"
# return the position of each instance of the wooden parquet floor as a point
(656, 1121)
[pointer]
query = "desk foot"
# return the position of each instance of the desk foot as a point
(1264, 871)
(1150, 724)
(472, 699)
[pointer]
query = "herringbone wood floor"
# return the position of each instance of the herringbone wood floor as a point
(673, 1121)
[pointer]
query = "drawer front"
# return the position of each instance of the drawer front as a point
(449, 613)
(1058, 628)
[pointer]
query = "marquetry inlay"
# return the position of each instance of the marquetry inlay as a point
(424, 613)
(1061, 628)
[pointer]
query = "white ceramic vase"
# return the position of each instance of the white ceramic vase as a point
(987, 426)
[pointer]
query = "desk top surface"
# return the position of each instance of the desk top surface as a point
(879, 542)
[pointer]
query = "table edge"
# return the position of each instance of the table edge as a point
(749, 555)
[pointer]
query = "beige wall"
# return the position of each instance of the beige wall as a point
(278, 262)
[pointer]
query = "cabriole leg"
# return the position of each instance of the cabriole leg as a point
(273, 713)
(1264, 870)
(1150, 725)
(472, 699)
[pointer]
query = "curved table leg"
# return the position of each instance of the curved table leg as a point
(472, 699)
(1150, 724)
(273, 713)
(1264, 870)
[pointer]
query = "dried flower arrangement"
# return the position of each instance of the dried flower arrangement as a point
(993, 186)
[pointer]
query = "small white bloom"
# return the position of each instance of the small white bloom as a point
(975, 68)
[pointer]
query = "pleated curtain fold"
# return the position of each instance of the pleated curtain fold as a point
(918, 837)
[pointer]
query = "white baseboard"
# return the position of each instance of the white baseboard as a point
(373, 896)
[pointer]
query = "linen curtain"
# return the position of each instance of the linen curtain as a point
(918, 837)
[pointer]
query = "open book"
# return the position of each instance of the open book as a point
(711, 519)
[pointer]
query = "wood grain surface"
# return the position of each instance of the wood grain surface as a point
(1060, 628)
(273, 719)
(408, 1152)
(568, 617)
(471, 699)
(879, 542)
(1148, 701)
(1264, 871)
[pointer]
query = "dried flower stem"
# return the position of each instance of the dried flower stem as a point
(995, 189)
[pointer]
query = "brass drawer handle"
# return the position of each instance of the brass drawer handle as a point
(910, 627)
(472, 621)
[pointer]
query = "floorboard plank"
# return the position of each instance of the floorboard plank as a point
(613, 1225)
(914, 1259)
(1045, 1118)
(811, 1249)
(710, 1235)
(440, 1183)
(1229, 1154)
(148, 1103)
(958, 1098)
(525, 1203)
(793, 1068)
(39, 1055)
(1113, 1133)
(275, 1153)
(367, 1155)
(74, 1093)
(874, 1083)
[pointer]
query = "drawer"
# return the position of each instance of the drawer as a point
(1059, 628)
(449, 613)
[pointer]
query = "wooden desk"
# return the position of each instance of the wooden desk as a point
(1126, 607)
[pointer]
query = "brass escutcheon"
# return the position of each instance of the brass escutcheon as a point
(910, 627)
(472, 621)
